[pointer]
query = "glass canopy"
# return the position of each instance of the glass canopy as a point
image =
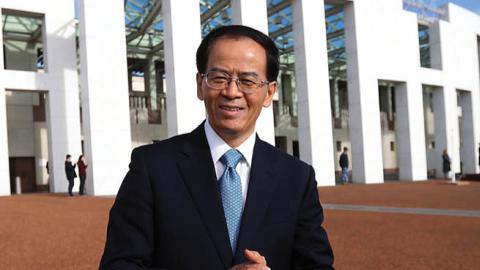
(21, 27)
(144, 27)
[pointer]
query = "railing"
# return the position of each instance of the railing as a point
(139, 100)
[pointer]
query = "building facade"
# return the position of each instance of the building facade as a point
(396, 88)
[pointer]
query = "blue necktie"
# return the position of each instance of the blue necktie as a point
(231, 190)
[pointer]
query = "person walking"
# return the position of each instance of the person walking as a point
(82, 172)
(70, 172)
(344, 165)
(446, 163)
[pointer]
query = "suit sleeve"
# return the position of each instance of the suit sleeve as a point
(311, 249)
(130, 235)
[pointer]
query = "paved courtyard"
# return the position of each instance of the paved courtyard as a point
(396, 225)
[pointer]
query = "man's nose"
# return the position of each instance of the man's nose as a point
(232, 88)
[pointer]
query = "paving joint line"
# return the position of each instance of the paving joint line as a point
(402, 210)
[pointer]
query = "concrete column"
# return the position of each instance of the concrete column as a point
(336, 97)
(469, 149)
(412, 161)
(4, 166)
(441, 133)
(182, 37)
(150, 81)
(253, 13)
(435, 46)
(41, 151)
(476, 112)
(363, 99)
(105, 105)
(287, 94)
(313, 91)
(451, 107)
(446, 128)
(63, 109)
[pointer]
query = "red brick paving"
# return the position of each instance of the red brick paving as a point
(52, 231)
(363, 240)
(368, 240)
(423, 194)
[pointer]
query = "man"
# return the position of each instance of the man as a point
(446, 161)
(70, 173)
(219, 197)
(344, 165)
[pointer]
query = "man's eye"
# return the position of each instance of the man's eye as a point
(248, 82)
(219, 79)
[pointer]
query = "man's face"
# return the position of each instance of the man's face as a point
(231, 113)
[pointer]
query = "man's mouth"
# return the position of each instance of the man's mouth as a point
(231, 108)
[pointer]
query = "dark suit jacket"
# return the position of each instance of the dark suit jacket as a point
(70, 170)
(343, 160)
(168, 213)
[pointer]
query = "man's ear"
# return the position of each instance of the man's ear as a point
(271, 89)
(199, 86)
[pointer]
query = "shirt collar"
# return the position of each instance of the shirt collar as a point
(218, 146)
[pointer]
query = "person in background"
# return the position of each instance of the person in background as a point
(82, 172)
(446, 164)
(344, 165)
(70, 172)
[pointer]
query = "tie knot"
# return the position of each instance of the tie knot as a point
(231, 158)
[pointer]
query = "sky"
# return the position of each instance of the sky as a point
(473, 5)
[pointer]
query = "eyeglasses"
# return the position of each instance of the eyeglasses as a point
(219, 80)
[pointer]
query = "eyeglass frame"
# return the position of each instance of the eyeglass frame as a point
(237, 82)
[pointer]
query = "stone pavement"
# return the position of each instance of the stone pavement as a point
(404, 225)
(397, 225)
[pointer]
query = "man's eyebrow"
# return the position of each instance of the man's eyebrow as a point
(218, 69)
(251, 73)
(246, 73)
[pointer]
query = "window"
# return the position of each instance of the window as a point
(339, 146)
(424, 42)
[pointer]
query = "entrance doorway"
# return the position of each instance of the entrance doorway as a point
(23, 169)
(386, 94)
(468, 151)
(27, 140)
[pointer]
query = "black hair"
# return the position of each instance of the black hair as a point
(68, 156)
(239, 31)
(79, 158)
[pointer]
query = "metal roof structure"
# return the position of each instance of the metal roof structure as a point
(144, 26)
(21, 27)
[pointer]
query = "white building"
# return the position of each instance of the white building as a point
(395, 87)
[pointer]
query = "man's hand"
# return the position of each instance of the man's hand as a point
(255, 261)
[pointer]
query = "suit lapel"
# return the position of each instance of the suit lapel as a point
(261, 186)
(197, 169)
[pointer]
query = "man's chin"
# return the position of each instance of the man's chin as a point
(229, 129)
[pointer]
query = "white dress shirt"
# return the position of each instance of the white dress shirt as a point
(218, 147)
